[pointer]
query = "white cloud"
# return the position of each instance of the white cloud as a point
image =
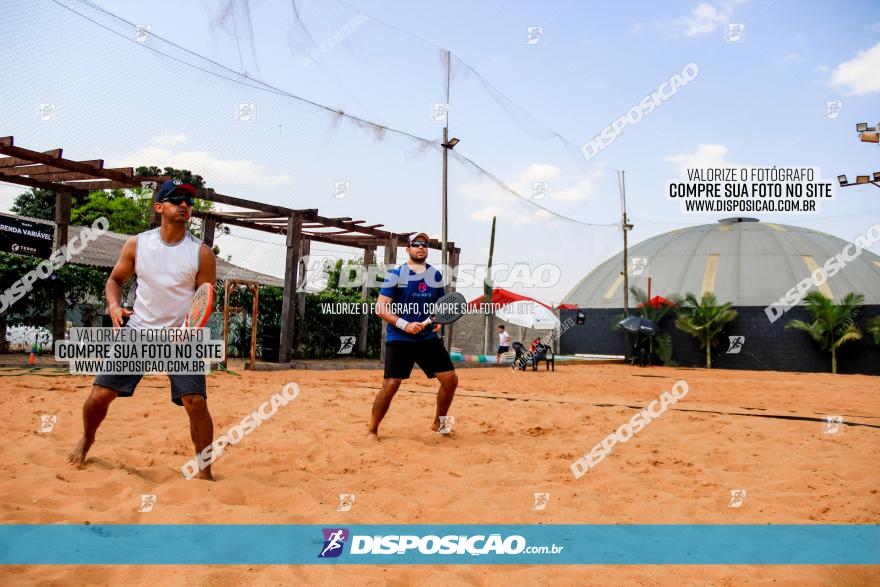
(788, 58)
(498, 199)
(705, 18)
(875, 27)
(823, 69)
(859, 76)
(215, 171)
(703, 156)
(168, 140)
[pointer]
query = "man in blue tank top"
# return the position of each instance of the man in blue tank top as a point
(405, 301)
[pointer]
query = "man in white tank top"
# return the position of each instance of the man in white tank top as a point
(170, 264)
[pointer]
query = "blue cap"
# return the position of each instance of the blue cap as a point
(172, 185)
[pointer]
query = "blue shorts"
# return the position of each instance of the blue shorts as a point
(181, 385)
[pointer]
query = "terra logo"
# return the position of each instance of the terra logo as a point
(423, 286)
(334, 541)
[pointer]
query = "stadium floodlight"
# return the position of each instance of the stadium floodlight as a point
(451, 144)
(861, 126)
(863, 179)
(870, 137)
(842, 180)
(877, 176)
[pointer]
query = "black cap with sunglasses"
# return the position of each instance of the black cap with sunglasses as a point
(175, 191)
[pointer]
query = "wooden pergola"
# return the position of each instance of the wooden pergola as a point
(49, 170)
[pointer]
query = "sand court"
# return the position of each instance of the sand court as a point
(514, 435)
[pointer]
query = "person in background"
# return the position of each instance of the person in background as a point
(503, 341)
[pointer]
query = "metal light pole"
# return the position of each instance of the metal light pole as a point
(626, 228)
(446, 147)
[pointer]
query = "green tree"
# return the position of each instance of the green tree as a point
(126, 212)
(704, 319)
(833, 324)
(874, 328)
(35, 203)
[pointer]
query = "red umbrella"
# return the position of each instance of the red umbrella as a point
(658, 301)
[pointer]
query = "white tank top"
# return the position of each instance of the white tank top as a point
(166, 279)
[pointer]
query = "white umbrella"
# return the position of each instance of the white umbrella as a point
(528, 314)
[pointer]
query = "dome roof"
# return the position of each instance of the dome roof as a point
(741, 260)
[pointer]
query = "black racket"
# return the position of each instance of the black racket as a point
(448, 309)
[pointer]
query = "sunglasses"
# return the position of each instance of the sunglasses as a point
(419, 244)
(177, 200)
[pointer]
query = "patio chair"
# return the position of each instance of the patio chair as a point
(543, 353)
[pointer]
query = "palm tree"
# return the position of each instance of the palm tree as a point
(833, 324)
(704, 319)
(874, 328)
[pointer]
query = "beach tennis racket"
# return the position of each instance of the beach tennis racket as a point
(448, 309)
(200, 308)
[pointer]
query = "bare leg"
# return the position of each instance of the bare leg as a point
(381, 404)
(201, 427)
(448, 382)
(94, 412)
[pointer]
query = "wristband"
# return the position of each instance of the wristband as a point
(401, 323)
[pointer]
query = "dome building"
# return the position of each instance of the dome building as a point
(749, 263)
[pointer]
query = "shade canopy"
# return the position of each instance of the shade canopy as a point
(528, 314)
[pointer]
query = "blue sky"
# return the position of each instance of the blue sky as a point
(760, 102)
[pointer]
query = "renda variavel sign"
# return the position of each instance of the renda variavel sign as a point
(26, 237)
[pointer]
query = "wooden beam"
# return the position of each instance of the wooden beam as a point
(39, 168)
(35, 183)
(13, 161)
(242, 223)
(291, 265)
(99, 185)
(213, 196)
(67, 164)
(254, 215)
(66, 176)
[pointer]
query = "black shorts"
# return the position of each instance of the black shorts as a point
(181, 385)
(503, 349)
(430, 355)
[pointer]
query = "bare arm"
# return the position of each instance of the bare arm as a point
(383, 311)
(207, 267)
(122, 272)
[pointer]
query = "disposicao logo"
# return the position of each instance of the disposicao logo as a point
(334, 541)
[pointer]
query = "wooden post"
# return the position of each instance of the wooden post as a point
(255, 288)
(155, 217)
(63, 204)
(369, 255)
(305, 249)
(226, 287)
(291, 265)
(208, 228)
(390, 260)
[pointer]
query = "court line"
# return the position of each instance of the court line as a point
(639, 407)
